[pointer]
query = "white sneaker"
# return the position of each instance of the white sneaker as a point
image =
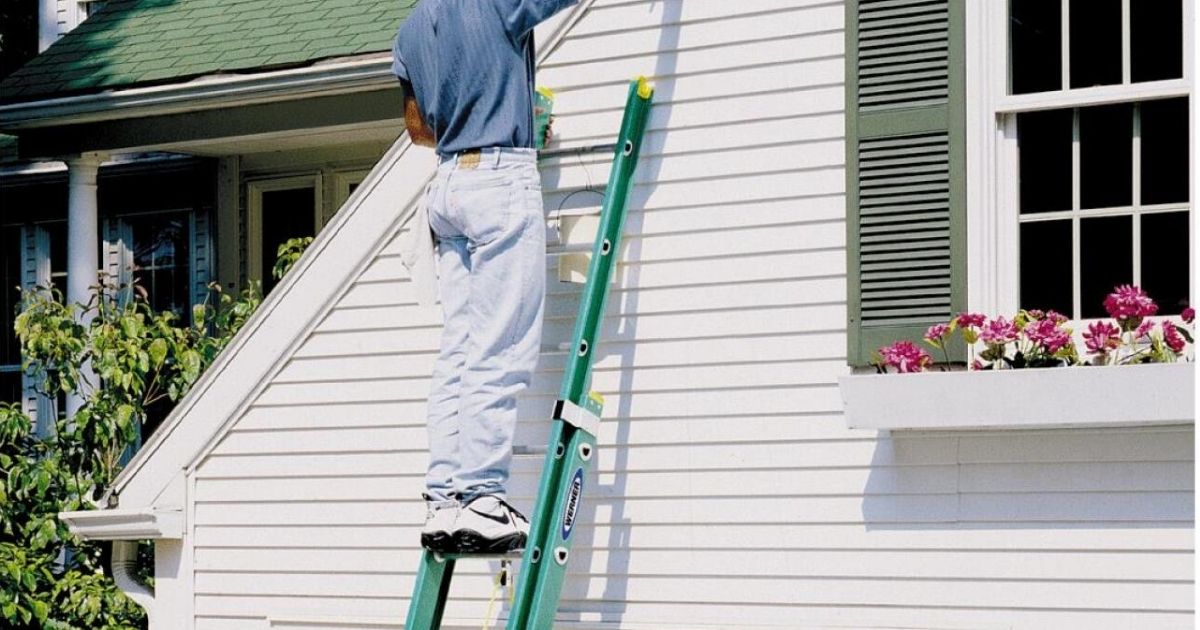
(490, 525)
(439, 522)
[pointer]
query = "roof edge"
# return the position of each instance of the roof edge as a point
(116, 524)
(334, 76)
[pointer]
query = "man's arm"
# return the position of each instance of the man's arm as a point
(520, 16)
(414, 122)
(418, 131)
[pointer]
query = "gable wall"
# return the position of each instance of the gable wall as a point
(728, 490)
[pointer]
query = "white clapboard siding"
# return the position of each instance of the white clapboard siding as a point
(727, 491)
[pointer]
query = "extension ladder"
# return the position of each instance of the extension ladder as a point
(575, 424)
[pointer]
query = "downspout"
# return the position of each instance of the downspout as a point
(124, 563)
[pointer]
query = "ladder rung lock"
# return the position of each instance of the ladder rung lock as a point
(577, 416)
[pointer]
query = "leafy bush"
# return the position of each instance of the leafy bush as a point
(122, 359)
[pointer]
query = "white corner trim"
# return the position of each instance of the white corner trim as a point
(117, 524)
(1132, 395)
(353, 74)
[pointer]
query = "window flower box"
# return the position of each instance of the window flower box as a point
(1088, 396)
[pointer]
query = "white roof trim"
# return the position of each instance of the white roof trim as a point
(133, 524)
(340, 76)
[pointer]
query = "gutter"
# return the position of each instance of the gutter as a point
(124, 528)
(128, 524)
(335, 76)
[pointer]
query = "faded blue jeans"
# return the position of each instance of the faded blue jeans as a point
(491, 262)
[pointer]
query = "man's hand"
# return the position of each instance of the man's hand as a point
(418, 131)
(549, 131)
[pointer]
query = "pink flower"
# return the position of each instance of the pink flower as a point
(999, 331)
(1048, 335)
(977, 365)
(1057, 317)
(971, 320)
(1128, 302)
(937, 332)
(1143, 329)
(1188, 314)
(1036, 313)
(1171, 335)
(905, 356)
(1101, 337)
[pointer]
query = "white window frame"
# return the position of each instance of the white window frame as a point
(76, 12)
(993, 277)
(254, 193)
(342, 181)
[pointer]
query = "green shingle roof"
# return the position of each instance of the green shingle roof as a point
(140, 42)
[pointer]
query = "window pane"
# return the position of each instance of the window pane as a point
(1046, 265)
(1044, 139)
(1165, 273)
(286, 214)
(1156, 39)
(58, 245)
(10, 387)
(1105, 260)
(1106, 156)
(10, 294)
(1095, 42)
(1036, 47)
(161, 263)
(1165, 151)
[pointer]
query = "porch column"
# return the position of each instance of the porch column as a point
(83, 233)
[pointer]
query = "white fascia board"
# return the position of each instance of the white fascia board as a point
(118, 524)
(1128, 395)
(339, 76)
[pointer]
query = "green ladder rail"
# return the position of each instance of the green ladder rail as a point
(576, 421)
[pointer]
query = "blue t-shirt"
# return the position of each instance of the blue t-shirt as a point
(469, 64)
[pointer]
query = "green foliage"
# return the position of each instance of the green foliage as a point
(288, 253)
(120, 357)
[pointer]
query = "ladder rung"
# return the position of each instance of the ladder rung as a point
(512, 555)
(571, 248)
(590, 148)
(519, 450)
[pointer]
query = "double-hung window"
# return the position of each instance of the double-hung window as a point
(1095, 114)
(1006, 154)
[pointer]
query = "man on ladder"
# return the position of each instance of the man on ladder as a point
(467, 71)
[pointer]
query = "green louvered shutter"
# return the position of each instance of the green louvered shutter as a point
(905, 169)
